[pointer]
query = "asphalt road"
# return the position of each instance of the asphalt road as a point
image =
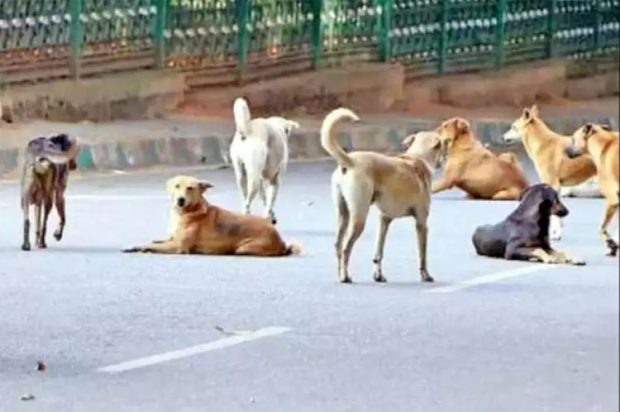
(255, 334)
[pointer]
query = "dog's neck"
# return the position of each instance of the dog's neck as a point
(537, 135)
(199, 207)
(466, 141)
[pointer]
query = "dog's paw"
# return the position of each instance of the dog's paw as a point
(133, 250)
(577, 261)
(58, 235)
(346, 280)
(426, 277)
(378, 277)
(26, 247)
(612, 245)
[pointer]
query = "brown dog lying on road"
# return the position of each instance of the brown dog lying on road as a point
(603, 146)
(47, 163)
(475, 169)
(210, 230)
(546, 149)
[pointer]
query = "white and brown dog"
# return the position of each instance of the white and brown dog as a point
(400, 186)
(259, 155)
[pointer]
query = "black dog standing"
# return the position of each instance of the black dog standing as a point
(524, 235)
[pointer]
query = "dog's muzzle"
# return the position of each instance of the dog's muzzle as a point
(512, 136)
(560, 211)
(181, 202)
(572, 152)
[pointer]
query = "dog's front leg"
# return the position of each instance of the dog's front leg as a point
(442, 184)
(169, 247)
(610, 243)
(384, 224)
(564, 257)
(515, 251)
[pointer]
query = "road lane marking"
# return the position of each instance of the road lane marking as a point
(492, 278)
(193, 350)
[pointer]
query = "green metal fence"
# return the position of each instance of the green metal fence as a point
(219, 41)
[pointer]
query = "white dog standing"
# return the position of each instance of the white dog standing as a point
(259, 154)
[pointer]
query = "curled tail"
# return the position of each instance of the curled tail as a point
(328, 138)
(242, 115)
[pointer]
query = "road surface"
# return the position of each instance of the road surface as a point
(121, 332)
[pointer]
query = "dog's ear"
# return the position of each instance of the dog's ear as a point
(461, 126)
(606, 127)
(588, 130)
(170, 184)
(203, 186)
(408, 141)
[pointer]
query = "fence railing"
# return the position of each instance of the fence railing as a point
(220, 41)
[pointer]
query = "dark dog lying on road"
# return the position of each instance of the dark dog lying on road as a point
(44, 180)
(524, 235)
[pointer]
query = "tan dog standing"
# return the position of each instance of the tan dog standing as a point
(603, 146)
(546, 149)
(398, 185)
(210, 230)
(475, 169)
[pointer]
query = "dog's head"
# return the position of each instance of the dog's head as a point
(517, 130)
(453, 130)
(286, 125)
(427, 145)
(186, 192)
(579, 141)
(544, 199)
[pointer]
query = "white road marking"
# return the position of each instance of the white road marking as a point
(193, 350)
(492, 278)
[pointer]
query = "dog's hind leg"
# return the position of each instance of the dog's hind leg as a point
(358, 201)
(343, 222)
(60, 208)
(46, 213)
(508, 194)
(26, 214)
(38, 218)
(242, 181)
(610, 243)
(254, 188)
(384, 225)
(421, 227)
(272, 193)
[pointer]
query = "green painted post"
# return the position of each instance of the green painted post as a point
(77, 38)
(500, 32)
(243, 38)
(317, 30)
(160, 27)
(386, 29)
(598, 41)
(551, 52)
(443, 39)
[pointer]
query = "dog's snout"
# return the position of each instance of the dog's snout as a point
(181, 202)
(560, 210)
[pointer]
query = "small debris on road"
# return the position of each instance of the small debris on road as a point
(232, 332)
(41, 366)
(27, 397)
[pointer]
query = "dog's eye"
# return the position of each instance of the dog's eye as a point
(177, 187)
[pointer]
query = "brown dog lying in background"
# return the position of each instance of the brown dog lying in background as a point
(475, 169)
(210, 230)
(603, 146)
(44, 180)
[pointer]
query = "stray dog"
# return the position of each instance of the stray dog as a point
(44, 180)
(475, 169)
(259, 154)
(206, 229)
(602, 145)
(428, 146)
(546, 149)
(524, 235)
(398, 185)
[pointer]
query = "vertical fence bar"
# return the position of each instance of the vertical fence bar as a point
(160, 27)
(500, 32)
(443, 39)
(551, 24)
(385, 27)
(243, 38)
(77, 38)
(317, 30)
(598, 41)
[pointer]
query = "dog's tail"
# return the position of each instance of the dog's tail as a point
(293, 249)
(242, 115)
(328, 138)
